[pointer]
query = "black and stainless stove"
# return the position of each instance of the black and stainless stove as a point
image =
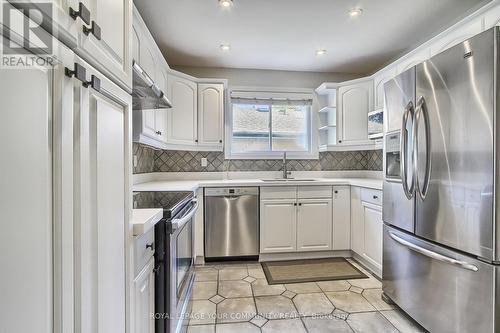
(174, 255)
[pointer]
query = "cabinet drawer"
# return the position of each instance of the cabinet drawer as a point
(312, 192)
(371, 196)
(143, 250)
(278, 192)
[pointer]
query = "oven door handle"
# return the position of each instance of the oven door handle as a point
(178, 223)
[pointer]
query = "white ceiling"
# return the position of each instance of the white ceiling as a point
(284, 34)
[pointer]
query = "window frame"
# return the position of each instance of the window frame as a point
(312, 153)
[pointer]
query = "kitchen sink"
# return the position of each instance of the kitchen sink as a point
(288, 180)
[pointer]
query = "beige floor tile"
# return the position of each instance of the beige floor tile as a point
(206, 275)
(370, 283)
(349, 301)
(402, 322)
(284, 326)
(237, 328)
(203, 312)
(370, 322)
(275, 307)
(303, 288)
(204, 290)
(232, 274)
(315, 304)
(374, 296)
(257, 273)
(262, 288)
(201, 329)
(340, 285)
(326, 325)
(236, 310)
(235, 289)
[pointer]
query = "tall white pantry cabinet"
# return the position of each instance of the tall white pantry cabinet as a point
(64, 193)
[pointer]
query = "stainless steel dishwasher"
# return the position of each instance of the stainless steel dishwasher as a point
(231, 223)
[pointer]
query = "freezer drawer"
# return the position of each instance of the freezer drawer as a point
(443, 290)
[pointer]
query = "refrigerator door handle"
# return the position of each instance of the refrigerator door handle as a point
(421, 111)
(404, 151)
(433, 255)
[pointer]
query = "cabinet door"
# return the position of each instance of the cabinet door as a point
(278, 226)
(373, 233)
(211, 114)
(144, 300)
(182, 117)
(112, 54)
(314, 225)
(378, 83)
(357, 222)
(341, 218)
(103, 165)
(37, 172)
(161, 115)
(355, 101)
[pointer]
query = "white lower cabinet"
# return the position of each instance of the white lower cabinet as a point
(144, 299)
(367, 225)
(291, 222)
(341, 218)
(314, 225)
(278, 225)
(373, 233)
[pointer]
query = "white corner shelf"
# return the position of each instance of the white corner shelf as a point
(326, 88)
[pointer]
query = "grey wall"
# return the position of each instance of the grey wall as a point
(150, 160)
(266, 78)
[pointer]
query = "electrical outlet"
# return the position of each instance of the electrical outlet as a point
(135, 161)
(204, 162)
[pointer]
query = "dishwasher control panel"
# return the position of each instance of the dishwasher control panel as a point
(228, 191)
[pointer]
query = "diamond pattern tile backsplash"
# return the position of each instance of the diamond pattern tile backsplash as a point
(150, 160)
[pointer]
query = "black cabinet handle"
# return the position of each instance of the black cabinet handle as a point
(158, 132)
(295, 204)
(150, 246)
(82, 12)
(95, 29)
(94, 82)
(300, 203)
(79, 72)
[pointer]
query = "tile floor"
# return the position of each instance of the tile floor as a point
(236, 298)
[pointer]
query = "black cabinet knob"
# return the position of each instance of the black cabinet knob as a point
(82, 12)
(220, 141)
(335, 191)
(94, 82)
(150, 246)
(79, 72)
(196, 140)
(95, 29)
(375, 197)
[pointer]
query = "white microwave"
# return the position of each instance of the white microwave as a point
(376, 124)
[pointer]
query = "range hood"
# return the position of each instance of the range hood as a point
(146, 95)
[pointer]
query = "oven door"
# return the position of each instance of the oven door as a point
(181, 261)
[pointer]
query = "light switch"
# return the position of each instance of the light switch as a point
(204, 162)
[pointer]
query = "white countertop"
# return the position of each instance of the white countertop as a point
(193, 185)
(145, 219)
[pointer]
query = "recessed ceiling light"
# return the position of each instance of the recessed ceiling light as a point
(320, 52)
(225, 47)
(225, 3)
(355, 12)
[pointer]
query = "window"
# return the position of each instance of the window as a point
(270, 126)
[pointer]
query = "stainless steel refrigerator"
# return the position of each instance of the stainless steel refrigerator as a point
(441, 255)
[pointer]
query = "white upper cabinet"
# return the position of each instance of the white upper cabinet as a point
(182, 117)
(210, 115)
(354, 103)
(378, 83)
(106, 41)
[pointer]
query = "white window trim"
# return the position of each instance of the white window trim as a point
(312, 154)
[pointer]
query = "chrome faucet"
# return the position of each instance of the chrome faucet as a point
(286, 173)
